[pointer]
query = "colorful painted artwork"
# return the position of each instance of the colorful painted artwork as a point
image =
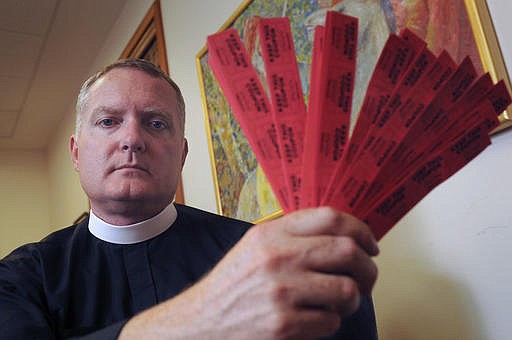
(242, 189)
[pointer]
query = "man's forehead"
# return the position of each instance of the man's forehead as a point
(125, 84)
(126, 75)
(132, 85)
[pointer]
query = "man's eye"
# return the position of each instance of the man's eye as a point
(157, 124)
(106, 122)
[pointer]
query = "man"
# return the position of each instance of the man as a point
(143, 268)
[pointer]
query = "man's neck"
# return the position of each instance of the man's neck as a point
(126, 213)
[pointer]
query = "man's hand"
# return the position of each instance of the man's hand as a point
(293, 277)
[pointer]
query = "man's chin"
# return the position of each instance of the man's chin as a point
(134, 203)
(134, 194)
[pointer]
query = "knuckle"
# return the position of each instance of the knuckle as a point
(268, 251)
(271, 257)
(348, 249)
(279, 294)
(349, 294)
(329, 215)
(283, 326)
(348, 289)
(273, 260)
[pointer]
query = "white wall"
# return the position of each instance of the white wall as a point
(443, 270)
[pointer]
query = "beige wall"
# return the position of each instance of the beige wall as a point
(24, 209)
(443, 270)
(67, 201)
(40, 190)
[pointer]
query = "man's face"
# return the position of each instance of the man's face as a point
(130, 149)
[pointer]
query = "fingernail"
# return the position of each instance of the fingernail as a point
(375, 247)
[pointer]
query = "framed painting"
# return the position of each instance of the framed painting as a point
(242, 190)
(148, 43)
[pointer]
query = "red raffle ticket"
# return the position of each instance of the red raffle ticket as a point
(353, 176)
(439, 166)
(381, 137)
(422, 119)
(246, 96)
(330, 104)
(405, 109)
(308, 183)
(396, 56)
(390, 210)
(388, 128)
(393, 62)
(450, 116)
(421, 130)
(489, 101)
(423, 94)
(286, 96)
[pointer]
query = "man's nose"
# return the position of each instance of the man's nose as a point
(132, 139)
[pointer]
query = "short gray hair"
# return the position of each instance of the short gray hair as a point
(138, 64)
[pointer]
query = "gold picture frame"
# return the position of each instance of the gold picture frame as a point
(490, 51)
(148, 43)
(241, 189)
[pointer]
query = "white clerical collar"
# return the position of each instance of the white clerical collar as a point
(133, 233)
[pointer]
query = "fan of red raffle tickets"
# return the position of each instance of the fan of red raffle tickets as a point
(422, 119)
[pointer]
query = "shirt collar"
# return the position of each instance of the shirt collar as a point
(133, 233)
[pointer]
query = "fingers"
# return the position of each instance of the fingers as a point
(329, 221)
(305, 324)
(318, 291)
(306, 270)
(327, 241)
(341, 256)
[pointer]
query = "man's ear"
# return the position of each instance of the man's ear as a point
(185, 152)
(73, 151)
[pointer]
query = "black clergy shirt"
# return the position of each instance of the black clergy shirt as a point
(72, 284)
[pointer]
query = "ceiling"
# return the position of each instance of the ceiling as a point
(48, 47)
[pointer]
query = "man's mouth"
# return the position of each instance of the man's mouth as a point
(131, 167)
